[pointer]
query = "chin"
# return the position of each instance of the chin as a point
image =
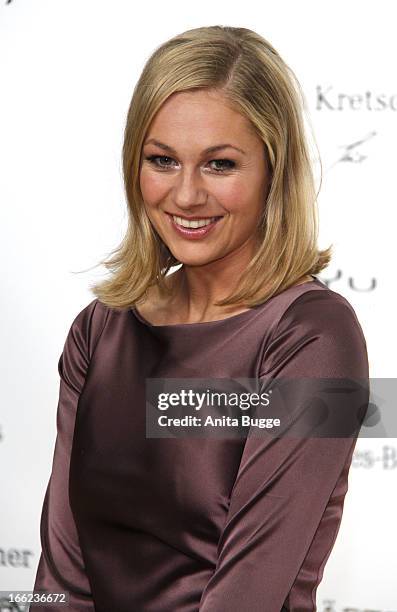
(193, 260)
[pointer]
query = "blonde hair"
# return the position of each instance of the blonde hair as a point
(245, 68)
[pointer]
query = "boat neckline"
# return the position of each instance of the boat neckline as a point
(215, 322)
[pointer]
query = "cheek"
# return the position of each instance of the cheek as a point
(239, 197)
(152, 187)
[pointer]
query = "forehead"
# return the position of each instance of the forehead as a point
(202, 118)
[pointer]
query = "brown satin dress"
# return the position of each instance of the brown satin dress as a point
(136, 524)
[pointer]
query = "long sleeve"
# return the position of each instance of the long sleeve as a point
(61, 565)
(287, 500)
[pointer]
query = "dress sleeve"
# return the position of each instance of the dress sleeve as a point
(286, 504)
(61, 565)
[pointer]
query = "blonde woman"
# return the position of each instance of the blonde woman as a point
(219, 181)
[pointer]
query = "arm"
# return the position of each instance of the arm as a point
(61, 565)
(286, 503)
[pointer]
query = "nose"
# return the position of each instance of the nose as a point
(189, 190)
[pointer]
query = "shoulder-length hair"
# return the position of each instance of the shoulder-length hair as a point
(245, 68)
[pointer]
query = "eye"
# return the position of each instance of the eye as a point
(160, 162)
(153, 160)
(229, 164)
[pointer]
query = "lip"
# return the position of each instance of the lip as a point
(192, 218)
(193, 234)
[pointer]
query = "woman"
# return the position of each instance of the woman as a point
(218, 179)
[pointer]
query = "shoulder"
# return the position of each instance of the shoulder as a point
(318, 329)
(87, 326)
(81, 340)
(324, 311)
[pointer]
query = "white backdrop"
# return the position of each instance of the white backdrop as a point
(67, 71)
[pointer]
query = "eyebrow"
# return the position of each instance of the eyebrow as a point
(212, 149)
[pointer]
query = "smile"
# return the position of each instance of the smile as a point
(194, 224)
(195, 228)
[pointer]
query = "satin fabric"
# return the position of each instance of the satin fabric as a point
(134, 524)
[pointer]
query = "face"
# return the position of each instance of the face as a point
(202, 163)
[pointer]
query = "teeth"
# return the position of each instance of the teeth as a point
(193, 224)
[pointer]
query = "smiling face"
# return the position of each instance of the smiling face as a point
(201, 159)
